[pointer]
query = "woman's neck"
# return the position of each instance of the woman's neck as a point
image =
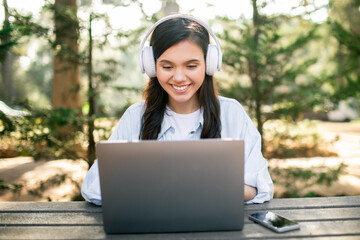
(184, 108)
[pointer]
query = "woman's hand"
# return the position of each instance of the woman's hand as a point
(249, 192)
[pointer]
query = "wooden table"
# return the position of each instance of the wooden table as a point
(319, 218)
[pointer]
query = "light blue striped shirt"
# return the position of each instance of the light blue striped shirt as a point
(235, 124)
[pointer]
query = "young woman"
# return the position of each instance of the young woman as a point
(181, 103)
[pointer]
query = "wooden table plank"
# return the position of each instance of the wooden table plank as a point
(280, 203)
(52, 232)
(308, 203)
(50, 218)
(322, 229)
(48, 207)
(323, 218)
(316, 215)
(68, 218)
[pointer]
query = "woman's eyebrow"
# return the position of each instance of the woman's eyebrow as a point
(167, 61)
(193, 60)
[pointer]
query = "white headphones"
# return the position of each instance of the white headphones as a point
(213, 55)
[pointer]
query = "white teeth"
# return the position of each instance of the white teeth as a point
(180, 88)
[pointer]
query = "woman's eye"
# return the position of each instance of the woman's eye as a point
(166, 67)
(192, 66)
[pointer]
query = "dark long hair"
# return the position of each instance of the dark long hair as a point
(163, 37)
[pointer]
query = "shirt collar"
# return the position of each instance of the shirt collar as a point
(201, 119)
(166, 124)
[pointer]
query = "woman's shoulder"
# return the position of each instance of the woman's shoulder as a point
(229, 103)
(129, 124)
(136, 108)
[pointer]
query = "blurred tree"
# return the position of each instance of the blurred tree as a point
(39, 77)
(6, 57)
(66, 83)
(269, 63)
(168, 7)
(15, 34)
(344, 22)
(102, 71)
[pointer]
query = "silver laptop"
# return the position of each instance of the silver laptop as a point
(174, 186)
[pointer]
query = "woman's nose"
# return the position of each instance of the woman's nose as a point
(179, 75)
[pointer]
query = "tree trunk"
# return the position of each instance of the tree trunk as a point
(91, 99)
(6, 70)
(254, 73)
(66, 83)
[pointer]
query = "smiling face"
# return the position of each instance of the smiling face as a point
(181, 71)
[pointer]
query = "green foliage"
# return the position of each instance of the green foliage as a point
(24, 29)
(14, 187)
(6, 124)
(50, 134)
(274, 64)
(40, 133)
(348, 70)
(24, 25)
(78, 197)
(295, 179)
(6, 45)
(16, 30)
(288, 139)
(55, 180)
(39, 75)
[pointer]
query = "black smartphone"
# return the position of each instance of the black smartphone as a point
(274, 222)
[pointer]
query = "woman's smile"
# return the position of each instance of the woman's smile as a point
(181, 88)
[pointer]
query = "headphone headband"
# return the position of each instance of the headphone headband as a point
(180, 16)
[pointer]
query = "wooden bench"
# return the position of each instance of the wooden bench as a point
(319, 218)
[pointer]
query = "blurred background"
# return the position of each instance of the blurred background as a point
(69, 69)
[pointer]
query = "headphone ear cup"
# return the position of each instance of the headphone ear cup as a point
(212, 58)
(149, 62)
